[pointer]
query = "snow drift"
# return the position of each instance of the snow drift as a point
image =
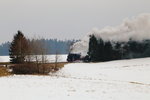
(135, 70)
(137, 28)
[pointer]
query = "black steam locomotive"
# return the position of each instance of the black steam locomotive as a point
(77, 57)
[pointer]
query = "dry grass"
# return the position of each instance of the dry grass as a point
(139, 83)
(4, 71)
(46, 68)
(34, 69)
(4, 63)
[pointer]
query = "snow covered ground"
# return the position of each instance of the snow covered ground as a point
(115, 80)
(50, 58)
(4, 58)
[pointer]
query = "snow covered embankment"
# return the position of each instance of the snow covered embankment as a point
(115, 80)
(134, 71)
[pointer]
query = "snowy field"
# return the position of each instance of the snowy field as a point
(115, 80)
(50, 58)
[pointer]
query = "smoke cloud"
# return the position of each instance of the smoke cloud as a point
(137, 28)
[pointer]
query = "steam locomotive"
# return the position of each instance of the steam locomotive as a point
(77, 57)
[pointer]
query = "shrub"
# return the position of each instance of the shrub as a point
(33, 68)
(4, 71)
(28, 69)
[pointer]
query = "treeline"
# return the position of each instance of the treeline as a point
(100, 50)
(4, 49)
(52, 45)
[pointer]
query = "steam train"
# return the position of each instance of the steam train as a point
(77, 57)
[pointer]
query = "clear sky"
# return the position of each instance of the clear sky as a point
(64, 19)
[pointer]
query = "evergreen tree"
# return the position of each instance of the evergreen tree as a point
(108, 51)
(117, 51)
(100, 50)
(18, 48)
(93, 48)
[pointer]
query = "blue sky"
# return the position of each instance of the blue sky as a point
(64, 19)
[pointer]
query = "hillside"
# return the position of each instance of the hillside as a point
(115, 80)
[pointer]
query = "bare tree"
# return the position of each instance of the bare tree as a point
(37, 53)
(56, 58)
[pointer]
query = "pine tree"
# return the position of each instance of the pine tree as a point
(100, 50)
(93, 48)
(117, 51)
(108, 54)
(18, 48)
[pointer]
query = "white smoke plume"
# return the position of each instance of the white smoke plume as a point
(137, 28)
